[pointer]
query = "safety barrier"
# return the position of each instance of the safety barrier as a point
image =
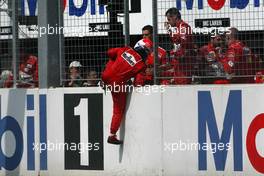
(183, 130)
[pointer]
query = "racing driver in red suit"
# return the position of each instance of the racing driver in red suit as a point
(124, 64)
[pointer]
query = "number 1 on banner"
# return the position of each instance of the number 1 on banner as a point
(82, 111)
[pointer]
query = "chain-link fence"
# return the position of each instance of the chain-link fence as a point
(18, 46)
(214, 42)
(200, 42)
(88, 34)
(6, 55)
(6, 44)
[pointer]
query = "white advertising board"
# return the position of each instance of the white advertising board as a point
(184, 130)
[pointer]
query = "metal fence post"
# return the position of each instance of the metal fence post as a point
(48, 43)
(155, 39)
(126, 23)
(15, 41)
(61, 44)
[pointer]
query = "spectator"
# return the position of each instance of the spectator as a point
(146, 76)
(92, 79)
(28, 71)
(147, 32)
(239, 59)
(259, 77)
(6, 79)
(181, 37)
(75, 75)
(211, 57)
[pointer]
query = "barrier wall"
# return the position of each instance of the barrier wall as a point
(187, 130)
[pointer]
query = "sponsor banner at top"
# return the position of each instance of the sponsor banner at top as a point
(79, 14)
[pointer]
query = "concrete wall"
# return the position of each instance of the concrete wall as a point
(158, 131)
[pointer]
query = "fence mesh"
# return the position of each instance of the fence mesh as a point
(208, 43)
(203, 43)
(18, 47)
(87, 39)
(5, 43)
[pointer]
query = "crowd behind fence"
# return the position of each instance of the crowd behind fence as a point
(189, 52)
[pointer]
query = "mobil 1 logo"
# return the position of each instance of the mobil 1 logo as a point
(83, 131)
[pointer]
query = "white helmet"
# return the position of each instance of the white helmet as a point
(145, 44)
(75, 64)
(143, 47)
